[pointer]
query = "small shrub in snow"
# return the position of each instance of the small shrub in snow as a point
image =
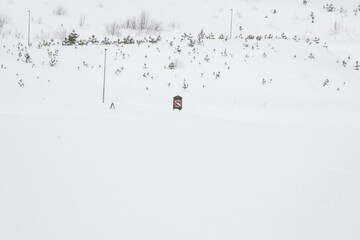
(171, 65)
(53, 55)
(60, 11)
(217, 75)
(93, 40)
(210, 36)
(312, 17)
(128, 40)
(326, 82)
(207, 58)
(270, 36)
(178, 49)
(201, 37)
(191, 43)
(27, 58)
(71, 40)
(82, 42)
(343, 11)
(154, 40)
(357, 10)
(175, 64)
(186, 36)
(250, 37)
(311, 56)
(329, 7)
(224, 54)
(185, 85)
(21, 83)
(357, 66)
(106, 41)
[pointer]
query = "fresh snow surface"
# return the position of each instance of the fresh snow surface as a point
(262, 151)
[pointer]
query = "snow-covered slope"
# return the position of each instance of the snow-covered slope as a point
(266, 146)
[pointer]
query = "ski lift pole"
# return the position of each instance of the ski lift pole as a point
(231, 22)
(104, 77)
(29, 29)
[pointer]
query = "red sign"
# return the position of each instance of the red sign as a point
(177, 102)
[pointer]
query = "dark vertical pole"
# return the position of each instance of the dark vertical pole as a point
(104, 77)
(29, 29)
(231, 22)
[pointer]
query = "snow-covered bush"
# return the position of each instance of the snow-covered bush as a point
(60, 34)
(27, 57)
(60, 11)
(329, 7)
(143, 23)
(356, 10)
(130, 23)
(113, 29)
(106, 41)
(185, 85)
(207, 58)
(335, 29)
(71, 40)
(93, 40)
(174, 24)
(53, 58)
(3, 20)
(357, 66)
(176, 63)
(154, 40)
(201, 37)
(312, 17)
(21, 83)
(128, 40)
(82, 21)
(344, 63)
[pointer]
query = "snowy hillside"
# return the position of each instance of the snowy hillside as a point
(265, 147)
